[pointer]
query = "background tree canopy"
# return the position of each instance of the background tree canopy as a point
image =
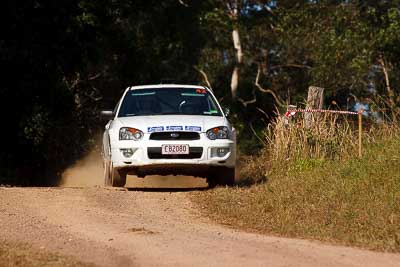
(63, 61)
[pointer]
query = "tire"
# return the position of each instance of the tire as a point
(118, 178)
(107, 173)
(222, 176)
(211, 181)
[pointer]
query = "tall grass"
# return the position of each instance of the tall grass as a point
(330, 136)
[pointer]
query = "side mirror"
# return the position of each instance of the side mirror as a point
(227, 111)
(107, 113)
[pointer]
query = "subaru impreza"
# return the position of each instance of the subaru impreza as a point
(169, 129)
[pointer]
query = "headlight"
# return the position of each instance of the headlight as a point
(126, 133)
(221, 132)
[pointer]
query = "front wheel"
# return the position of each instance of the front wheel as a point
(223, 176)
(118, 177)
(107, 173)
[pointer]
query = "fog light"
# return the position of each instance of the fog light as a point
(127, 152)
(219, 151)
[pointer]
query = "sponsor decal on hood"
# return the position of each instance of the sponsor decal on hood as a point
(174, 128)
(155, 129)
(193, 128)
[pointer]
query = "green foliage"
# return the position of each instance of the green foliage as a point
(36, 127)
(308, 164)
(334, 42)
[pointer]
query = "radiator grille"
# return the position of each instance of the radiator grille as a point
(175, 136)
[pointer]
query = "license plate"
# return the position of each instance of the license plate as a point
(174, 149)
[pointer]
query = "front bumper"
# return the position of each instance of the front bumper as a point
(142, 162)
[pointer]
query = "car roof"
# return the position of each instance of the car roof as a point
(156, 86)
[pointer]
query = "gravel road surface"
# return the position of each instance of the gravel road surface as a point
(116, 227)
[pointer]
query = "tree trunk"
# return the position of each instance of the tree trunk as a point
(239, 59)
(234, 13)
(392, 104)
(315, 100)
(234, 82)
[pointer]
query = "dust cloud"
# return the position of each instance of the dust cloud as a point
(88, 172)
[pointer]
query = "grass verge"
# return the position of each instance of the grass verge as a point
(13, 254)
(352, 202)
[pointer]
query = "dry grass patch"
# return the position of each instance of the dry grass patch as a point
(15, 254)
(333, 197)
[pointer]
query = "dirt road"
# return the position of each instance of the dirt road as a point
(152, 228)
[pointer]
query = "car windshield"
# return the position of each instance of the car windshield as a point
(169, 101)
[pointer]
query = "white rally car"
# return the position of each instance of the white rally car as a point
(169, 129)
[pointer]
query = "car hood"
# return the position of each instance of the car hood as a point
(149, 124)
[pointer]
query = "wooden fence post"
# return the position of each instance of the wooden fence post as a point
(315, 100)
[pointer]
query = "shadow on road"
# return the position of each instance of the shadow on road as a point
(169, 190)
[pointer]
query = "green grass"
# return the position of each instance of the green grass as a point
(352, 202)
